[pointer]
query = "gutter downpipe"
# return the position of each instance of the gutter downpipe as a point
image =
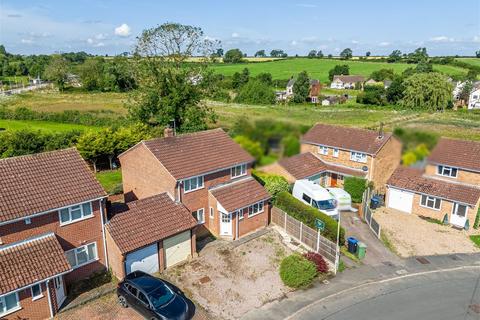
(49, 299)
(103, 234)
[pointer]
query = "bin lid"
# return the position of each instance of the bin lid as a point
(361, 244)
(352, 240)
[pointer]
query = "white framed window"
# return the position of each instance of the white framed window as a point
(28, 220)
(199, 215)
(75, 213)
(431, 202)
(240, 214)
(447, 171)
(255, 209)
(212, 213)
(239, 171)
(36, 290)
(358, 157)
(193, 184)
(335, 153)
(9, 303)
(460, 210)
(82, 255)
(323, 150)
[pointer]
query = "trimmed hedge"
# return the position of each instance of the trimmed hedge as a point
(355, 187)
(297, 271)
(307, 214)
(272, 182)
(476, 224)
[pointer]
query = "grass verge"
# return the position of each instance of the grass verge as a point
(476, 239)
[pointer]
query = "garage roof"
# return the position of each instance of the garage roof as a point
(148, 221)
(412, 180)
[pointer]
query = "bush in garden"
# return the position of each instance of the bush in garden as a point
(297, 272)
(252, 147)
(272, 182)
(318, 260)
(355, 187)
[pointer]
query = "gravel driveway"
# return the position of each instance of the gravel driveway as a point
(411, 235)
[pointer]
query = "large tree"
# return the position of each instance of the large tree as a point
(57, 71)
(431, 91)
(233, 56)
(260, 54)
(301, 87)
(338, 70)
(395, 56)
(171, 88)
(346, 54)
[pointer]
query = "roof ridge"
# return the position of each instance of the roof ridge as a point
(39, 154)
(187, 134)
(25, 241)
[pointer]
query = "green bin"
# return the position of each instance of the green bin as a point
(361, 250)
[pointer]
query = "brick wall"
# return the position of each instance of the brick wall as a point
(385, 163)
(115, 257)
(143, 175)
(462, 175)
(251, 224)
(32, 310)
(213, 224)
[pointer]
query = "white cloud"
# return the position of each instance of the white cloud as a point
(441, 39)
(90, 41)
(100, 44)
(476, 39)
(384, 44)
(235, 35)
(123, 30)
(293, 43)
(101, 36)
(306, 5)
(26, 41)
(355, 42)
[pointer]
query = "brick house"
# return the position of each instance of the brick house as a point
(152, 234)
(448, 185)
(375, 153)
(51, 231)
(207, 172)
(347, 82)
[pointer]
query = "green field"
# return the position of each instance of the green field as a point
(110, 180)
(48, 126)
(472, 61)
(318, 68)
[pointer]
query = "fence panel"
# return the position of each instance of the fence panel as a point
(368, 214)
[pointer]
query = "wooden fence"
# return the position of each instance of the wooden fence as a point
(310, 238)
(368, 214)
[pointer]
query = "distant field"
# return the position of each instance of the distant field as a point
(48, 126)
(318, 68)
(472, 61)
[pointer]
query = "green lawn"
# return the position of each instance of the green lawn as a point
(476, 240)
(472, 61)
(110, 180)
(318, 68)
(41, 125)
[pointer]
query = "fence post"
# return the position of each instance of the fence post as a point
(301, 228)
(318, 240)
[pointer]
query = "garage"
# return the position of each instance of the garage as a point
(177, 248)
(400, 200)
(145, 259)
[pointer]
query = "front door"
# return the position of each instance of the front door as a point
(333, 180)
(459, 215)
(59, 290)
(226, 224)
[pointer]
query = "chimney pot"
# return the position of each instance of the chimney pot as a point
(168, 132)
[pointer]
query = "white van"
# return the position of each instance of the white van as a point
(344, 200)
(316, 196)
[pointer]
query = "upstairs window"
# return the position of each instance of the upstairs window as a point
(199, 215)
(447, 171)
(82, 255)
(323, 150)
(239, 171)
(36, 291)
(335, 153)
(193, 184)
(75, 213)
(431, 202)
(358, 157)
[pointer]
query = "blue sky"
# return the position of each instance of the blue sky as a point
(296, 26)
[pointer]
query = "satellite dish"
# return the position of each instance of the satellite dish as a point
(365, 168)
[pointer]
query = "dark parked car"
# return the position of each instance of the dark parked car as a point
(153, 298)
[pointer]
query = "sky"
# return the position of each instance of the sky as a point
(445, 27)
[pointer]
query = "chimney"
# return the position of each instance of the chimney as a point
(168, 132)
(380, 131)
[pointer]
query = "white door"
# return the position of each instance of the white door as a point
(59, 290)
(226, 224)
(177, 248)
(459, 215)
(145, 259)
(400, 200)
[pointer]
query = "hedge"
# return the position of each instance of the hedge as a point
(307, 214)
(476, 224)
(355, 187)
(297, 271)
(272, 182)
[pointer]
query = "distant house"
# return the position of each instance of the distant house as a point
(387, 83)
(281, 95)
(315, 87)
(290, 87)
(371, 82)
(458, 89)
(331, 100)
(474, 98)
(347, 82)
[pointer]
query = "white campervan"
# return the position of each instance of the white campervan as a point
(316, 196)
(344, 200)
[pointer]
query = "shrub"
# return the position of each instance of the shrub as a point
(476, 224)
(307, 214)
(355, 187)
(291, 145)
(318, 260)
(297, 272)
(409, 158)
(272, 182)
(256, 92)
(252, 147)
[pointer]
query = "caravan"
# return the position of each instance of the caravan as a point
(316, 196)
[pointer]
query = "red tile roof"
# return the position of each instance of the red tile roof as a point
(457, 153)
(412, 179)
(45, 181)
(349, 78)
(353, 139)
(30, 261)
(240, 194)
(197, 153)
(148, 221)
(305, 165)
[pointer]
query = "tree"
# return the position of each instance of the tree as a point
(57, 71)
(93, 145)
(427, 90)
(420, 54)
(424, 67)
(466, 90)
(252, 147)
(374, 95)
(301, 88)
(367, 54)
(260, 54)
(219, 52)
(330, 56)
(277, 53)
(395, 56)
(382, 74)
(471, 75)
(233, 56)
(338, 70)
(91, 74)
(395, 90)
(167, 86)
(346, 54)
(240, 79)
(312, 54)
(256, 92)
(266, 78)
(477, 54)
(320, 54)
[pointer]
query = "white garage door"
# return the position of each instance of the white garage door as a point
(400, 200)
(177, 248)
(145, 259)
